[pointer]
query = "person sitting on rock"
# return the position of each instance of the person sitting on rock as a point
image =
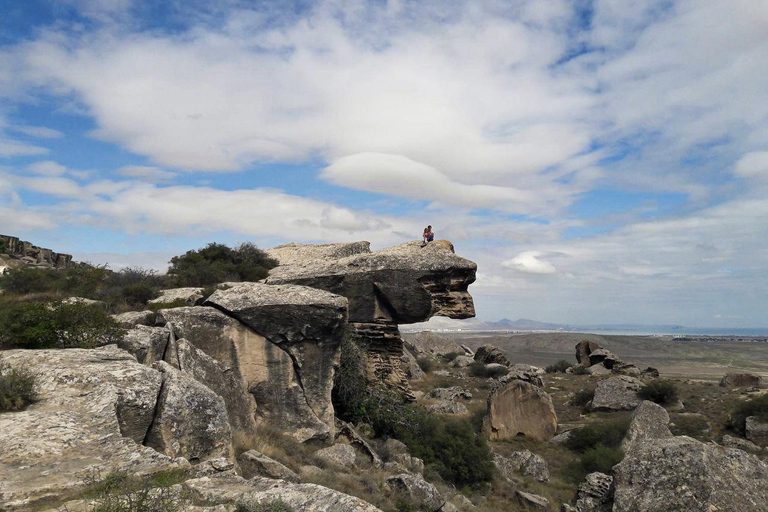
(428, 236)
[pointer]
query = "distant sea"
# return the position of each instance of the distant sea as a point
(682, 331)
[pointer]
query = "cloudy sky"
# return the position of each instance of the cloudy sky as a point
(601, 160)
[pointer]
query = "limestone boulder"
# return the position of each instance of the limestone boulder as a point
(583, 349)
(412, 369)
(730, 441)
(488, 354)
(522, 462)
(532, 501)
(427, 342)
(649, 373)
(595, 494)
(462, 361)
(649, 421)
(741, 380)
(339, 455)
(132, 319)
(146, 343)
(617, 394)
(448, 407)
(525, 372)
(519, 408)
(187, 296)
(680, 473)
(235, 491)
(418, 489)
(303, 254)
(253, 463)
(346, 434)
(757, 431)
(452, 393)
(94, 411)
(604, 357)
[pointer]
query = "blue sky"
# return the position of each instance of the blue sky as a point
(601, 161)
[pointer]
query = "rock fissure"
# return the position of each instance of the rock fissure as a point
(156, 414)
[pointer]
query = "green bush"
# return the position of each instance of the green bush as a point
(217, 263)
(609, 433)
(157, 306)
(659, 391)
(582, 397)
(580, 370)
(121, 492)
(691, 426)
(558, 367)
(757, 407)
(427, 364)
(37, 325)
(451, 447)
(17, 387)
(481, 370)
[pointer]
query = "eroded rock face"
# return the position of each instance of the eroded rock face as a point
(617, 394)
(22, 253)
(680, 473)
(595, 494)
(132, 319)
(430, 343)
(583, 349)
(147, 344)
(523, 462)
(253, 463)
(649, 421)
(415, 487)
(519, 408)
(402, 284)
(94, 412)
(489, 354)
(189, 296)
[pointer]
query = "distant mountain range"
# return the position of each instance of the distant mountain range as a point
(525, 324)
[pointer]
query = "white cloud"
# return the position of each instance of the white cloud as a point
(47, 168)
(41, 132)
(529, 262)
(753, 165)
(13, 148)
(148, 174)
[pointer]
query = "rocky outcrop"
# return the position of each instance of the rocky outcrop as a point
(432, 344)
(402, 284)
(532, 501)
(411, 367)
(488, 354)
(448, 407)
(253, 463)
(19, 253)
(147, 344)
(680, 473)
(519, 408)
(95, 413)
(525, 372)
(523, 462)
(452, 393)
(649, 421)
(617, 394)
(133, 319)
(269, 351)
(418, 489)
(741, 380)
(186, 296)
(339, 455)
(583, 349)
(595, 494)
(757, 431)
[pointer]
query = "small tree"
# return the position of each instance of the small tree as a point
(216, 263)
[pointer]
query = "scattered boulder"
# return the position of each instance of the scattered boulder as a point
(532, 501)
(598, 370)
(253, 463)
(339, 455)
(429, 343)
(741, 380)
(604, 357)
(345, 433)
(188, 296)
(448, 407)
(522, 462)
(132, 319)
(468, 351)
(462, 361)
(418, 489)
(410, 464)
(621, 368)
(595, 494)
(680, 473)
(452, 393)
(526, 373)
(583, 350)
(649, 421)
(617, 394)
(757, 431)
(519, 408)
(649, 373)
(489, 354)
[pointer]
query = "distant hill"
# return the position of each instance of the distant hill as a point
(525, 324)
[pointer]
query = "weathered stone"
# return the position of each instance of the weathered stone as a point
(462, 361)
(741, 380)
(393, 447)
(235, 490)
(583, 349)
(730, 441)
(339, 455)
(93, 413)
(452, 393)
(418, 489)
(253, 463)
(430, 343)
(526, 373)
(462, 502)
(649, 373)
(19, 252)
(519, 408)
(448, 407)
(412, 369)
(522, 462)
(604, 357)
(345, 433)
(132, 319)
(189, 296)
(598, 370)
(82, 301)
(649, 421)
(532, 501)
(595, 494)
(620, 368)
(468, 351)
(215, 466)
(410, 464)
(757, 431)
(680, 473)
(191, 420)
(617, 394)
(489, 354)
(448, 507)
(147, 344)
(303, 254)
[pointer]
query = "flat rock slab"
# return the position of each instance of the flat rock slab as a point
(189, 296)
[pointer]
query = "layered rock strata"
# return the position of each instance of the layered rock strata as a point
(25, 253)
(404, 284)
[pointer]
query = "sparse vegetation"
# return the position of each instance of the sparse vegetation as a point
(426, 364)
(660, 391)
(580, 370)
(481, 370)
(56, 325)
(157, 306)
(757, 407)
(582, 397)
(17, 387)
(558, 367)
(121, 492)
(277, 505)
(217, 263)
(598, 446)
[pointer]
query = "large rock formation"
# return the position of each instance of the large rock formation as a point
(518, 408)
(98, 411)
(649, 421)
(269, 351)
(429, 343)
(399, 285)
(617, 394)
(680, 473)
(741, 380)
(20, 253)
